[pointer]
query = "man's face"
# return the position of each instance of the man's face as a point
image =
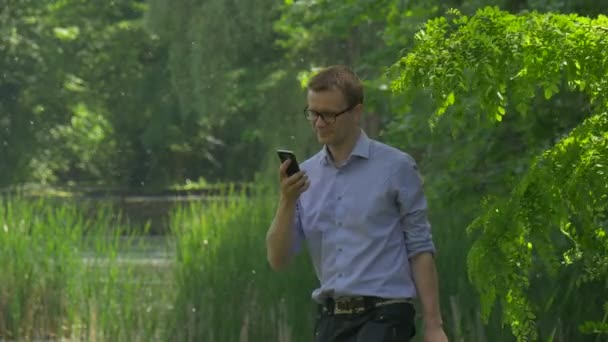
(334, 129)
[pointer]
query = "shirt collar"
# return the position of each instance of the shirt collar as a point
(361, 149)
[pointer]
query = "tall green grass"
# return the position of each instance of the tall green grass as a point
(40, 268)
(225, 290)
(61, 276)
(64, 275)
(66, 272)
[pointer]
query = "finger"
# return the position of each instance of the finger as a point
(293, 183)
(305, 186)
(300, 183)
(296, 177)
(289, 184)
(284, 166)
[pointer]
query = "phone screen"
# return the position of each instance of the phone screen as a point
(293, 166)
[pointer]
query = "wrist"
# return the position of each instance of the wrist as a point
(287, 204)
(433, 323)
(286, 201)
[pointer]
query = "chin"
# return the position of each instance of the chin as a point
(323, 139)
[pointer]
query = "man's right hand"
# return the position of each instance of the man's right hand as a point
(292, 186)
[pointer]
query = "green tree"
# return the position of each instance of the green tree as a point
(23, 70)
(231, 77)
(87, 98)
(547, 220)
(123, 84)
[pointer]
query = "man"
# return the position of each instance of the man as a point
(360, 208)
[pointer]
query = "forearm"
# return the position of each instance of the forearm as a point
(425, 279)
(279, 238)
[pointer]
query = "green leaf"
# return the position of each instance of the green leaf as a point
(66, 33)
(450, 99)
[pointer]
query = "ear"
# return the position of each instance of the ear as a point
(358, 108)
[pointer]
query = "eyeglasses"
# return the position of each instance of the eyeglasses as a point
(328, 118)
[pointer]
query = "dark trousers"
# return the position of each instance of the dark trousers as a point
(388, 323)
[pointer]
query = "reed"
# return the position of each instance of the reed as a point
(62, 276)
(40, 269)
(73, 271)
(225, 290)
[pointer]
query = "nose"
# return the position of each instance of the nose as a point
(319, 122)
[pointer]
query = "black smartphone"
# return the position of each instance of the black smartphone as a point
(287, 154)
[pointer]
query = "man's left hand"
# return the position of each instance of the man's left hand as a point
(435, 335)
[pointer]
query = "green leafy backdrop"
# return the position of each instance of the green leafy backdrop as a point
(502, 103)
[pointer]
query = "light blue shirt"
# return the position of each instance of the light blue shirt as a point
(363, 221)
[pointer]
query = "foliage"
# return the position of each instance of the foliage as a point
(225, 290)
(366, 35)
(232, 79)
(148, 94)
(485, 68)
(199, 92)
(22, 43)
(69, 111)
(562, 197)
(61, 276)
(38, 274)
(495, 52)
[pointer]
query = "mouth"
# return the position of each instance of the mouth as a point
(323, 133)
(322, 137)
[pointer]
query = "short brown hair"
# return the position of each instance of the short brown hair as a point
(339, 77)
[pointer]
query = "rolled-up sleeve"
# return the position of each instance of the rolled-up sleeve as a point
(298, 231)
(413, 209)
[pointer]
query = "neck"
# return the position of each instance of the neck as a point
(341, 151)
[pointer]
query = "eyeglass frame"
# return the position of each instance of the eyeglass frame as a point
(324, 116)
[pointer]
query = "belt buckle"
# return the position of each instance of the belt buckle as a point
(348, 305)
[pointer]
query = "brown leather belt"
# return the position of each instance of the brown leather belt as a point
(354, 305)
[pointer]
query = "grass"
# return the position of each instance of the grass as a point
(225, 288)
(66, 275)
(83, 275)
(39, 277)
(50, 289)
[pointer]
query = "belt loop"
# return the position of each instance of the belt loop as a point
(369, 303)
(329, 306)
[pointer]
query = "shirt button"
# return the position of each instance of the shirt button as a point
(339, 198)
(339, 249)
(340, 275)
(340, 224)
